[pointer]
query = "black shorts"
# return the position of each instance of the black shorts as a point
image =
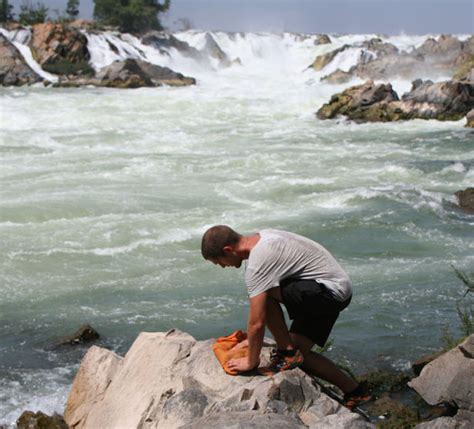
(312, 307)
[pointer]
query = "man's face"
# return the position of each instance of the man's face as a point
(229, 260)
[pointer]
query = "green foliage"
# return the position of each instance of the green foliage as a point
(133, 16)
(65, 67)
(466, 316)
(72, 8)
(32, 14)
(465, 312)
(447, 339)
(467, 280)
(6, 11)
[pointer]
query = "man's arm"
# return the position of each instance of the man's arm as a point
(255, 333)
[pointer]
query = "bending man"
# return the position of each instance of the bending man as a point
(287, 268)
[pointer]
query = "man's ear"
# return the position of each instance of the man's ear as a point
(228, 249)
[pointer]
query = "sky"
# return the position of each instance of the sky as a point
(311, 16)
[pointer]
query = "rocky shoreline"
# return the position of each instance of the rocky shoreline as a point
(170, 380)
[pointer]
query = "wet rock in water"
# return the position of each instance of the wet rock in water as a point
(379, 47)
(450, 379)
(164, 41)
(212, 49)
(362, 103)
(171, 380)
(447, 101)
(39, 420)
(322, 39)
(337, 77)
(60, 49)
(131, 73)
(85, 334)
(420, 363)
(322, 61)
(466, 199)
(444, 50)
(14, 71)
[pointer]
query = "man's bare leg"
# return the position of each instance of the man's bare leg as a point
(320, 366)
(276, 324)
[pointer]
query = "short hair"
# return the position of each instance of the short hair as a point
(216, 238)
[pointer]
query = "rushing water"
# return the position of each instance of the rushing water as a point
(105, 194)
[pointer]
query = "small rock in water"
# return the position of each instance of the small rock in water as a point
(466, 199)
(39, 420)
(84, 334)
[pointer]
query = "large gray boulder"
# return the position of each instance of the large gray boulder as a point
(14, 71)
(450, 378)
(170, 380)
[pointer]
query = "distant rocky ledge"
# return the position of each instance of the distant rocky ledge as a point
(369, 102)
(170, 380)
(62, 50)
(378, 60)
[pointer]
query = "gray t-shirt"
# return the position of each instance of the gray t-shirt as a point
(279, 255)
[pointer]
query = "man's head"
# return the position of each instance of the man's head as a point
(220, 245)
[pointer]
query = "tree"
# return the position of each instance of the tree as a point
(72, 8)
(6, 11)
(134, 16)
(30, 14)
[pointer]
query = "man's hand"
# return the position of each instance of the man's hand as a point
(241, 365)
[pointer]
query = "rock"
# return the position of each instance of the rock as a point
(39, 420)
(337, 77)
(442, 100)
(470, 119)
(360, 103)
(60, 49)
(322, 61)
(449, 378)
(322, 39)
(465, 71)
(14, 71)
(164, 41)
(446, 101)
(379, 47)
(85, 334)
(462, 420)
(445, 49)
(212, 49)
(130, 73)
(164, 76)
(420, 363)
(170, 380)
(466, 199)
(92, 380)
(246, 420)
(388, 66)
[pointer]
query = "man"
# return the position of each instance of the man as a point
(287, 268)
